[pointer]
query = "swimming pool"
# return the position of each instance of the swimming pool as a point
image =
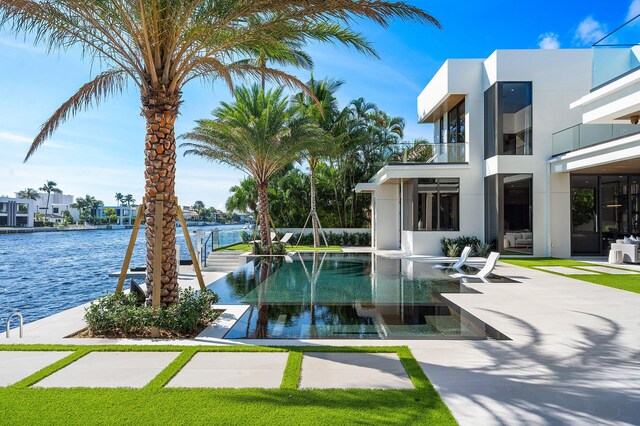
(354, 296)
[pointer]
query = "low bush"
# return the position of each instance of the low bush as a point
(116, 315)
(277, 249)
(461, 243)
(358, 239)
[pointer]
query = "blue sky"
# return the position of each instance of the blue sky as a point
(100, 152)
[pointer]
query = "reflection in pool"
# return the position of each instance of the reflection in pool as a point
(324, 295)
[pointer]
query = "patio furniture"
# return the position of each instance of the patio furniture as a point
(616, 257)
(630, 251)
(486, 269)
(286, 237)
(461, 261)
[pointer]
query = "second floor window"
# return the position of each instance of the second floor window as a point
(508, 119)
(456, 120)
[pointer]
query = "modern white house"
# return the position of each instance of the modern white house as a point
(126, 215)
(532, 152)
(17, 212)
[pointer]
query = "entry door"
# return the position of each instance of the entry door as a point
(585, 239)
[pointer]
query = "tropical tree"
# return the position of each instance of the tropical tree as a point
(244, 197)
(110, 213)
(160, 45)
(118, 198)
(128, 199)
(49, 187)
(320, 105)
(257, 134)
(87, 205)
(28, 193)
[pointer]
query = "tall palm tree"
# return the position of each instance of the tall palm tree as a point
(28, 193)
(321, 106)
(49, 187)
(160, 45)
(128, 199)
(119, 198)
(257, 134)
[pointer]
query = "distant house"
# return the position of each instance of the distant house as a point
(17, 212)
(126, 215)
(57, 204)
(189, 214)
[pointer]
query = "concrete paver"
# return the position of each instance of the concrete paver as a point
(565, 270)
(353, 370)
(16, 365)
(606, 270)
(110, 370)
(232, 370)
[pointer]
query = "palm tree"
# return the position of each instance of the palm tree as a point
(321, 106)
(128, 199)
(49, 187)
(257, 134)
(118, 198)
(160, 45)
(28, 193)
(244, 197)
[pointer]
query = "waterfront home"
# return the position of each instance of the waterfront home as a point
(535, 151)
(17, 212)
(126, 215)
(58, 202)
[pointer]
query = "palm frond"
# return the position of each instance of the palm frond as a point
(104, 84)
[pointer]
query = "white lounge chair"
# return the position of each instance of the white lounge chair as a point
(486, 269)
(461, 261)
(286, 237)
(273, 236)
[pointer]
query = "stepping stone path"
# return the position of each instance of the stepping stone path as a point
(612, 271)
(565, 270)
(232, 370)
(353, 370)
(17, 365)
(110, 370)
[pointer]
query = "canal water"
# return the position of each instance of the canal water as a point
(43, 273)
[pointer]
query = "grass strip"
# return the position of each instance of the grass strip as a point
(622, 282)
(50, 369)
(172, 369)
(292, 371)
(413, 369)
(141, 348)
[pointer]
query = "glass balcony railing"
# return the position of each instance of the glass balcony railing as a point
(584, 135)
(426, 153)
(617, 54)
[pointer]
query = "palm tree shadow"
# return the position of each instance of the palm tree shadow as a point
(591, 378)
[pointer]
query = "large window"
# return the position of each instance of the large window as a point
(456, 122)
(604, 208)
(508, 119)
(431, 204)
(509, 213)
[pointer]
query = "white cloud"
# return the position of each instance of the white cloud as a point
(589, 31)
(548, 41)
(20, 45)
(14, 137)
(634, 10)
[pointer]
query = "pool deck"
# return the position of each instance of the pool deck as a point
(574, 357)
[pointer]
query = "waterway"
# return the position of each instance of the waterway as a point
(45, 273)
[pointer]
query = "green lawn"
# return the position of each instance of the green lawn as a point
(155, 404)
(249, 247)
(622, 282)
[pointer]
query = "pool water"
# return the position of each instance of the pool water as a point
(347, 296)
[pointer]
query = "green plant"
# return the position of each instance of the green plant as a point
(118, 315)
(482, 249)
(462, 242)
(276, 249)
(452, 249)
(244, 236)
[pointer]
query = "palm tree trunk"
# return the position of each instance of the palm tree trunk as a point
(46, 209)
(263, 208)
(160, 110)
(314, 214)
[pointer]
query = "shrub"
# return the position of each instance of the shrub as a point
(244, 235)
(453, 249)
(461, 242)
(482, 249)
(277, 249)
(360, 239)
(117, 315)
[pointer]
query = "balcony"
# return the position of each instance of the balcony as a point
(617, 54)
(426, 153)
(584, 135)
